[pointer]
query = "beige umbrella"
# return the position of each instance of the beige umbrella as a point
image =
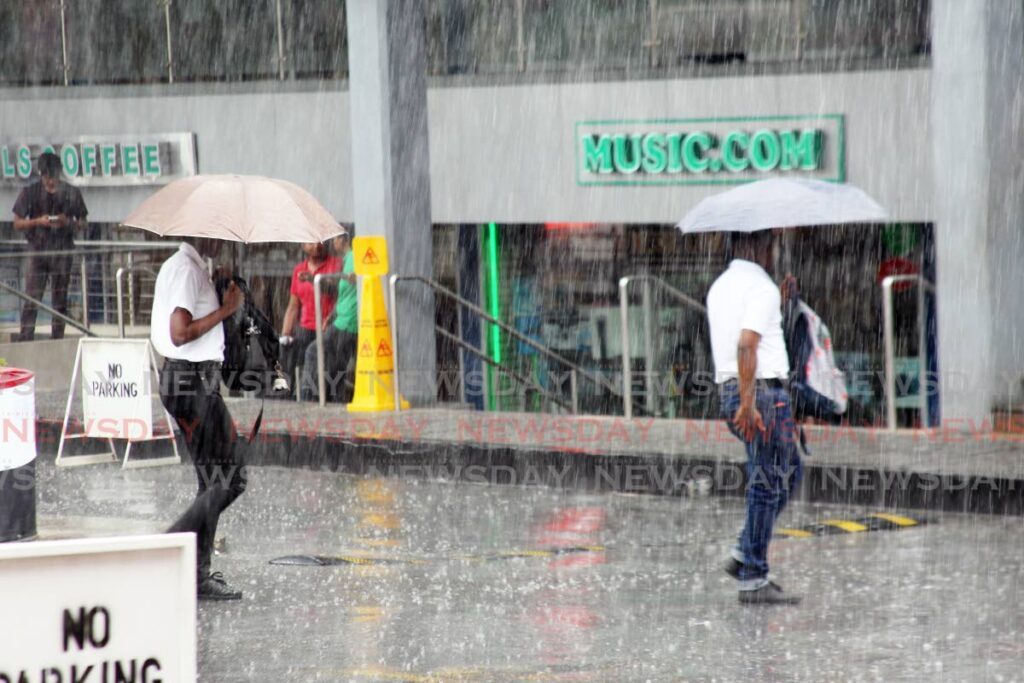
(239, 208)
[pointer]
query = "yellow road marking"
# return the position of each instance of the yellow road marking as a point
(845, 525)
(895, 519)
(794, 533)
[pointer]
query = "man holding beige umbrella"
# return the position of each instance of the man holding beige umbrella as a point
(187, 331)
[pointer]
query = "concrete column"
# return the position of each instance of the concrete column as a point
(391, 165)
(978, 127)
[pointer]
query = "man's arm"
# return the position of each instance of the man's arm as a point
(289, 316)
(185, 329)
(21, 223)
(747, 419)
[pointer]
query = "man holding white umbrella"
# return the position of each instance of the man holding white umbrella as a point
(749, 349)
(751, 368)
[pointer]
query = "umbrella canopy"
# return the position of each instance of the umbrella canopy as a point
(782, 203)
(239, 208)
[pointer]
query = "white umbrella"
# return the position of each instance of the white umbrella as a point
(239, 208)
(782, 203)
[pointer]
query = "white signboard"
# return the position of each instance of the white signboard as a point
(17, 424)
(103, 609)
(117, 401)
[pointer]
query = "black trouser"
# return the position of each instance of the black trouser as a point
(339, 348)
(39, 269)
(293, 354)
(191, 393)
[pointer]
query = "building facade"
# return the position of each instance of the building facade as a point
(566, 139)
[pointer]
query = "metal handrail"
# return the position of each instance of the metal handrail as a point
(320, 382)
(522, 379)
(119, 276)
(87, 247)
(39, 304)
(889, 321)
(679, 295)
(393, 280)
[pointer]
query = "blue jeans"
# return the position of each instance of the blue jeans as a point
(774, 470)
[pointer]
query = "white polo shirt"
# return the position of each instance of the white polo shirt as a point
(744, 297)
(183, 282)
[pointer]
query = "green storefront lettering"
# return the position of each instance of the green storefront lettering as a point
(108, 157)
(130, 160)
(69, 158)
(5, 161)
(626, 153)
(803, 152)
(24, 161)
(765, 150)
(597, 153)
(151, 160)
(734, 149)
(701, 151)
(695, 148)
(88, 160)
(655, 156)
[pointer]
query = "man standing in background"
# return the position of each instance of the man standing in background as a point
(341, 333)
(49, 211)
(301, 307)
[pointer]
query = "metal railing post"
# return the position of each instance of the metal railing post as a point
(574, 392)
(280, 42)
(85, 291)
(118, 289)
(170, 49)
(650, 400)
(627, 385)
(627, 381)
(131, 289)
(393, 312)
(320, 383)
(64, 41)
(922, 353)
(889, 347)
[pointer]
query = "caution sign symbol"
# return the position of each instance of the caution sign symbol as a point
(383, 350)
(366, 351)
(370, 257)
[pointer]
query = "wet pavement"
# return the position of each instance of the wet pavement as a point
(468, 582)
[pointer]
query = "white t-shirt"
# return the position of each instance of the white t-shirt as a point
(744, 297)
(183, 282)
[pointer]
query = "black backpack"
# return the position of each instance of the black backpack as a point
(251, 347)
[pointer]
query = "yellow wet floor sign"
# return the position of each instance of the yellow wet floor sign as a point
(375, 362)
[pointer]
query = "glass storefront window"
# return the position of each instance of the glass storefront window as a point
(30, 43)
(603, 33)
(116, 41)
(229, 40)
(315, 38)
(558, 285)
(472, 36)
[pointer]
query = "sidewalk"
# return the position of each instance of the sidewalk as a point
(959, 467)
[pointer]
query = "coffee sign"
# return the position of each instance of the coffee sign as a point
(105, 160)
(709, 151)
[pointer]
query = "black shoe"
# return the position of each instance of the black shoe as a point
(768, 594)
(214, 587)
(732, 568)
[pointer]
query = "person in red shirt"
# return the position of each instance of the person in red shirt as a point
(295, 339)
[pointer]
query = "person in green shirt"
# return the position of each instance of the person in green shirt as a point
(341, 330)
